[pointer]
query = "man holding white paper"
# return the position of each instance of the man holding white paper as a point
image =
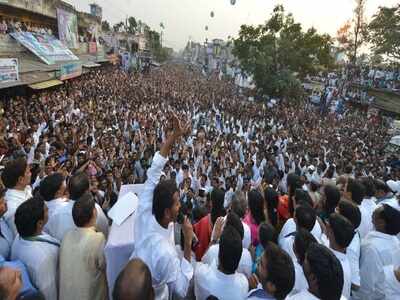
(158, 209)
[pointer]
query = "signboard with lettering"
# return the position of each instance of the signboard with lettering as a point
(8, 70)
(69, 71)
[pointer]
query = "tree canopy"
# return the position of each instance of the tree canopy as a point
(384, 32)
(278, 50)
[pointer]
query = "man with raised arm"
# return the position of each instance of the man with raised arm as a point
(157, 212)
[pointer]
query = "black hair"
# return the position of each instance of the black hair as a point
(271, 198)
(305, 217)
(50, 185)
(82, 211)
(332, 195)
(348, 169)
(2, 191)
(267, 234)
(350, 211)
(381, 185)
(163, 198)
(28, 214)
(342, 229)
(369, 186)
(357, 190)
(233, 220)
(217, 204)
(391, 216)
(256, 206)
(238, 206)
(78, 185)
(280, 271)
(327, 270)
(230, 249)
(302, 240)
(13, 170)
(303, 196)
(293, 182)
(314, 186)
(198, 213)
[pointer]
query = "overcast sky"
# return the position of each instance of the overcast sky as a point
(184, 19)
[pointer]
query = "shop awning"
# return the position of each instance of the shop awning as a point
(91, 65)
(45, 84)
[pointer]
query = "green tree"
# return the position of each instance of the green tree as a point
(384, 32)
(278, 50)
(117, 27)
(105, 26)
(132, 25)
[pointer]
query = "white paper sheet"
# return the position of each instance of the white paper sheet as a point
(125, 206)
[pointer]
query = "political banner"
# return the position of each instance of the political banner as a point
(46, 47)
(67, 28)
(8, 70)
(69, 71)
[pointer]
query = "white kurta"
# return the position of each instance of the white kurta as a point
(300, 283)
(306, 295)
(346, 273)
(15, 198)
(247, 236)
(208, 280)
(303, 295)
(155, 244)
(41, 260)
(353, 254)
(245, 263)
(367, 208)
(102, 221)
(377, 251)
(60, 218)
(290, 226)
(392, 285)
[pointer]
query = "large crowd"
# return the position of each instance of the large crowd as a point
(240, 201)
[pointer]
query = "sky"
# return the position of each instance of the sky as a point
(187, 19)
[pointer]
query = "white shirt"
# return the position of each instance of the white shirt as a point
(6, 239)
(287, 245)
(41, 260)
(300, 282)
(15, 198)
(290, 226)
(247, 236)
(367, 207)
(353, 254)
(377, 251)
(303, 295)
(155, 244)
(245, 263)
(102, 221)
(60, 218)
(346, 272)
(392, 285)
(208, 280)
(306, 295)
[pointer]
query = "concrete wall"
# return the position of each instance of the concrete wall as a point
(9, 46)
(44, 7)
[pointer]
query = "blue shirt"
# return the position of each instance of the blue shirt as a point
(27, 286)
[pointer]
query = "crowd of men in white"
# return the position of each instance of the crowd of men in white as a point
(338, 239)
